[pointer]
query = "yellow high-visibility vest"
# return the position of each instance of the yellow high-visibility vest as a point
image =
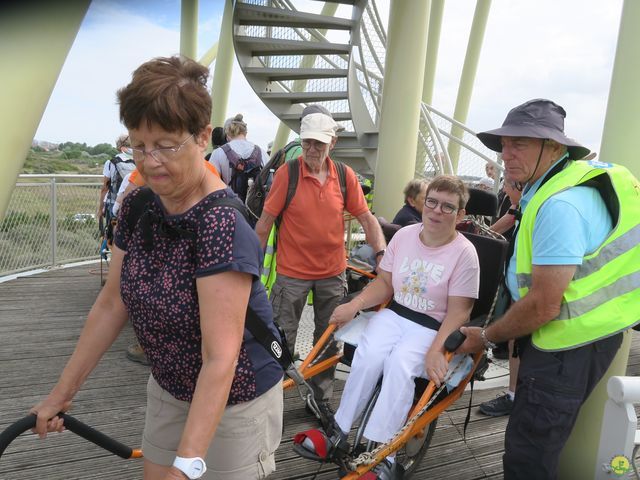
(603, 298)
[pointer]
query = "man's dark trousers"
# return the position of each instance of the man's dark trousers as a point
(551, 388)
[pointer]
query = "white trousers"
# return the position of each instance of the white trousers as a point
(393, 346)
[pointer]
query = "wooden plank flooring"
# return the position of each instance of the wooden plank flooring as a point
(40, 320)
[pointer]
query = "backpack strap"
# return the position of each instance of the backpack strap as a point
(256, 155)
(231, 155)
(294, 174)
(341, 168)
(265, 337)
(138, 206)
(233, 202)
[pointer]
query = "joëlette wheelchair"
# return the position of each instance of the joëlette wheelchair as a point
(411, 443)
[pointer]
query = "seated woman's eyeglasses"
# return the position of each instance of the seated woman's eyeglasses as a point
(162, 155)
(318, 146)
(446, 208)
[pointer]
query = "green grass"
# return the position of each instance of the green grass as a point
(56, 162)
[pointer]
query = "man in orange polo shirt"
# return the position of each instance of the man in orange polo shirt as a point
(311, 253)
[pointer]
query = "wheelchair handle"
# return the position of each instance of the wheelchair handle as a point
(454, 340)
(457, 338)
(76, 426)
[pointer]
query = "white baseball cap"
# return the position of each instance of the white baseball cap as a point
(318, 126)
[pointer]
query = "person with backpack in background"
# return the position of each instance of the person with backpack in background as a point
(114, 171)
(311, 253)
(239, 161)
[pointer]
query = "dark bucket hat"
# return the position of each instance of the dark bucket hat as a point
(537, 118)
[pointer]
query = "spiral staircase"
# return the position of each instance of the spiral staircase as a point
(292, 58)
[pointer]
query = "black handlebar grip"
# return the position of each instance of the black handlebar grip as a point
(94, 436)
(76, 426)
(14, 430)
(454, 340)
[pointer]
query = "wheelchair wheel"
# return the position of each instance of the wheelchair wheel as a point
(412, 453)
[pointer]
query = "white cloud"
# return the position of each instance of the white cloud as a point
(563, 51)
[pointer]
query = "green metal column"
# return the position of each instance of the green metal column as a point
(189, 28)
(468, 76)
(400, 112)
(34, 43)
(433, 44)
(224, 67)
(622, 122)
(308, 61)
(618, 145)
(209, 56)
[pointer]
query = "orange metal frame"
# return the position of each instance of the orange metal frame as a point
(421, 423)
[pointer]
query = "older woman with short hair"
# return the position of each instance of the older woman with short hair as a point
(183, 272)
(411, 211)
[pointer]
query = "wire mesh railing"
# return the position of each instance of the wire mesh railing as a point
(51, 220)
(434, 153)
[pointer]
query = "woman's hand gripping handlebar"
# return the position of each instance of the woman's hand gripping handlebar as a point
(76, 426)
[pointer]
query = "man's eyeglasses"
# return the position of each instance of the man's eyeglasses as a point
(318, 146)
(446, 208)
(162, 155)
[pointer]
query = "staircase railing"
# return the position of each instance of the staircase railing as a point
(432, 155)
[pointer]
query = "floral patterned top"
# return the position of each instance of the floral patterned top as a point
(164, 255)
(423, 278)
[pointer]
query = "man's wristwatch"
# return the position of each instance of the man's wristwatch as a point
(193, 468)
(380, 253)
(487, 343)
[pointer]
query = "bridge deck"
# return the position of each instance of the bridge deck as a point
(40, 319)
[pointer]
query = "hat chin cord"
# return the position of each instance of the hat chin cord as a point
(520, 185)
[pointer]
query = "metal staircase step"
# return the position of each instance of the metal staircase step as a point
(305, 97)
(338, 117)
(246, 14)
(276, 74)
(270, 46)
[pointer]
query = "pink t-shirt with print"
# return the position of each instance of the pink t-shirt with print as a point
(423, 277)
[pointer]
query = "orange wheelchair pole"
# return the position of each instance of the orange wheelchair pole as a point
(421, 423)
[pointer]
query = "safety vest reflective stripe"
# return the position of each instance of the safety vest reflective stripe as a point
(609, 252)
(616, 248)
(269, 250)
(268, 276)
(622, 286)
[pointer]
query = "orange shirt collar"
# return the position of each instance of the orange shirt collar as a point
(331, 172)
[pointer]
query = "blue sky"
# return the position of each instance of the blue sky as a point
(562, 50)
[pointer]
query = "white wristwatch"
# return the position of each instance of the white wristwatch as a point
(193, 468)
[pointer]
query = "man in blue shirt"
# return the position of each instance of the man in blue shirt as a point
(570, 224)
